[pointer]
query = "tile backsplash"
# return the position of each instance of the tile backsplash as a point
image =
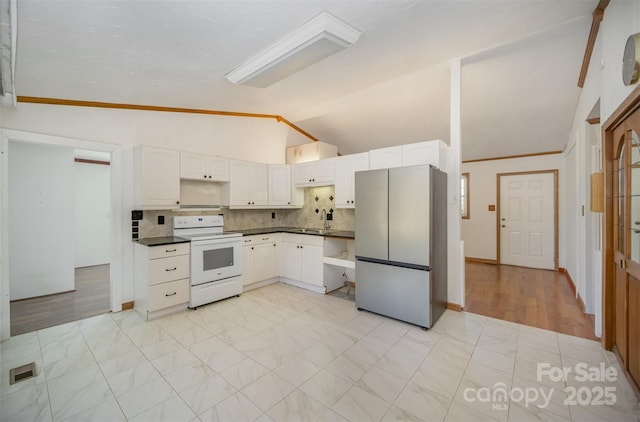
(343, 219)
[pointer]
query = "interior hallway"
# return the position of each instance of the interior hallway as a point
(90, 298)
(538, 298)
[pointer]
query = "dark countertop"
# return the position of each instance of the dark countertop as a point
(296, 230)
(158, 241)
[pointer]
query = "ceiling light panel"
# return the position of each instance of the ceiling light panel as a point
(319, 38)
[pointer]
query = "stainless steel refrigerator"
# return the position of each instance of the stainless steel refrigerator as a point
(401, 243)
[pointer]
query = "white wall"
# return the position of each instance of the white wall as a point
(479, 231)
(253, 139)
(92, 214)
(41, 208)
(621, 19)
(573, 218)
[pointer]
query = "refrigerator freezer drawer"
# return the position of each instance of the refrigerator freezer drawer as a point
(396, 292)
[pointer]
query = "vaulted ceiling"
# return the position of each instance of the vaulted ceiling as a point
(520, 64)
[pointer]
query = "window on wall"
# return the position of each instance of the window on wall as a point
(464, 195)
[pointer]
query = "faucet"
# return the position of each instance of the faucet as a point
(325, 223)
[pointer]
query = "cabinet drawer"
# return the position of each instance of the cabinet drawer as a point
(168, 294)
(168, 269)
(165, 251)
(258, 239)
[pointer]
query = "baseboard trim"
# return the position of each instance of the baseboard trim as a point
(127, 305)
(571, 283)
(454, 307)
(481, 260)
(581, 304)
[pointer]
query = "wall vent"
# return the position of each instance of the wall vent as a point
(22, 373)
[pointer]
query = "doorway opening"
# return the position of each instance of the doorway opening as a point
(118, 248)
(69, 216)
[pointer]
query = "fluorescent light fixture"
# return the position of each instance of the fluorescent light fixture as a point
(321, 37)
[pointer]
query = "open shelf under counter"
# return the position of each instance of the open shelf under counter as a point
(343, 259)
(339, 252)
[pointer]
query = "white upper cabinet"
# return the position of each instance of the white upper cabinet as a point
(282, 192)
(303, 173)
(156, 178)
(430, 152)
(314, 173)
(249, 185)
(203, 167)
(346, 167)
(385, 158)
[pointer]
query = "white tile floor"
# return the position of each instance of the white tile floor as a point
(285, 354)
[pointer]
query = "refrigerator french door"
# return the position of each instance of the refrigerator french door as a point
(401, 244)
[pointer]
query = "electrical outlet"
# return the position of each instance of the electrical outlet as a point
(161, 219)
(273, 215)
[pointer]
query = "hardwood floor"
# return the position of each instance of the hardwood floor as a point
(90, 298)
(539, 298)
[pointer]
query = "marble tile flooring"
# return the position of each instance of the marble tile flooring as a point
(280, 353)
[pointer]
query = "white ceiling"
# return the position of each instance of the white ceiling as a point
(521, 61)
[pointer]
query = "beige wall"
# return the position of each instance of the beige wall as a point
(479, 231)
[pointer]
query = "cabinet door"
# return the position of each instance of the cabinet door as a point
(193, 166)
(324, 171)
(219, 169)
(384, 158)
(421, 153)
(346, 167)
(279, 185)
(290, 260)
(311, 265)
(159, 177)
(247, 264)
(259, 184)
(264, 261)
(344, 181)
(303, 174)
(240, 183)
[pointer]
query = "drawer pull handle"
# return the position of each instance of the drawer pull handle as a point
(171, 294)
(265, 238)
(170, 250)
(171, 269)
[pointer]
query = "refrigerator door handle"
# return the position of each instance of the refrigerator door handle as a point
(394, 263)
(373, 260)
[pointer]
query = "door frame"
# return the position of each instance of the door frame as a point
(118, 254)
(555, 210)
(624, 110)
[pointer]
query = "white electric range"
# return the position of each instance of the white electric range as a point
(216, 258)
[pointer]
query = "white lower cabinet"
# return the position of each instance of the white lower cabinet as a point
(161, 279)
(259, 260)
(301, 261)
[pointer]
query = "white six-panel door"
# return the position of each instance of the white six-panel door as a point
(527, 220)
